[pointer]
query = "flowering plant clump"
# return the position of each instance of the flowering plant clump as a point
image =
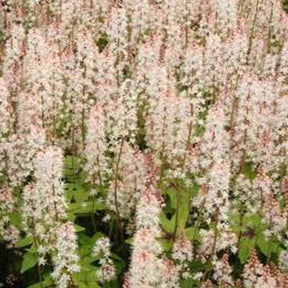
(143, 143)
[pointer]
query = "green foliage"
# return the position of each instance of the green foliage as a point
(250, 171)
(30, 259)
(251, 229)
(244, 249)
(77, 190)
(16, 219)
(85, 208)
(23, 242)
(175, 218)
(180, 199)
(267, 247)
(102, 42)
(192, 233)
(47, 282)
(189, 283)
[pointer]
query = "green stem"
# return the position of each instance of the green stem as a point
(241, 224)
(119, 228)
(35, 242)
(188, 138)
(73, 150)
(250, 44)
(177, 211)
(40, 275)
(216, 233)
(92, 214)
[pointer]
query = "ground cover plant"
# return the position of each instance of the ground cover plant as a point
(143, 143)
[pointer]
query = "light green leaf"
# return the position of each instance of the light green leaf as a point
(244, 249)
(79, 228)
(166, 244)
(189, 283)
(129, 240)
(85, 265)
(167, 225)
(15, 219)
(192, 233)
(26, 241)
(87, 278)
(267, 247)
(29, 261)
(77, 192)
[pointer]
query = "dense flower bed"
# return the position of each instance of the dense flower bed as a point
(143, 143)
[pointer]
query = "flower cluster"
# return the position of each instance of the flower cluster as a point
(65, 259)
(101, 250)
(165, 118)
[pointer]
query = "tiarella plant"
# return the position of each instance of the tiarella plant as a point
(143, 143)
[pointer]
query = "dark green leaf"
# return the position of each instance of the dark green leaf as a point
(85, 208)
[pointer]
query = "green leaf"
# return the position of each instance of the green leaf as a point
(263, 245)
(87, 278)
(244, 249)
(192, 233)
(189, 283)
(15, 219)
(71, 217)
(167, 225)
(79, 228)
(29, 261)
(46, 283)
(166, 244)
(183, 206)
(87, 243)
(102, 42)
(85, 208)
(77, 191)
(85, 250)
(86, 264)
(111, 284)
(180, 199)
(84, 239)
(249, 223)
(267, 247)
(71, 165)
(37, 285)
(26, 241)
(250, 171)
(129, 240)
